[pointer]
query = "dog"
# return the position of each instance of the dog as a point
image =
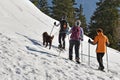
(47, 39)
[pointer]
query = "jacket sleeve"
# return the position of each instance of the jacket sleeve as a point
(95, 40)
(69, 31)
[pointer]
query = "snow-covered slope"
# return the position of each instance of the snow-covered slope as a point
(23, 57)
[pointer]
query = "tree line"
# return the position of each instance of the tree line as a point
(106, 16)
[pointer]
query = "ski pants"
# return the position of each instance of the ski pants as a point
(100, 59)
(62, 39)
(76, 45)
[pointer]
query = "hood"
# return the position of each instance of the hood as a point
(78, 23)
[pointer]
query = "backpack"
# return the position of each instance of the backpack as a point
(75, 33)
(63, 25)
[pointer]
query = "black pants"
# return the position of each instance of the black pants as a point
(100, 60)
(77, 45)
(62, 39)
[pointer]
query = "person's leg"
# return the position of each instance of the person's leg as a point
(71, 44)
(77, 45)
(59, 38)
(100, 60)
(63, 39)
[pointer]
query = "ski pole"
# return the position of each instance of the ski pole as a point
(89, 54)
(107, 59)
(81, 52)
(52, 28)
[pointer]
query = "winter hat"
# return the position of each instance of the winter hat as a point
(78, 23)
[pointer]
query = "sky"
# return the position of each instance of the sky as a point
(88, 7)
(23, 56)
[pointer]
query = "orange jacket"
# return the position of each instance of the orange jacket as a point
(101, 40)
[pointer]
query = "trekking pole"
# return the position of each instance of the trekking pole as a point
(89, 54)
(81, 52)
(107, 59)
(52, 28)
(68, 38)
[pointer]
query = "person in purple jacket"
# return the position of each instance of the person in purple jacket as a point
(75, 38)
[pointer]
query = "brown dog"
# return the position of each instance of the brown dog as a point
(47, 39)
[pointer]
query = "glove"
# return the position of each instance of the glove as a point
(81, 39)
(89, 41)
(54, 23)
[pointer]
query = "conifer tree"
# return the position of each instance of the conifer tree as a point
(105, 17)
(42, 5)
(79, 15)
(63, 7)
(35, 2)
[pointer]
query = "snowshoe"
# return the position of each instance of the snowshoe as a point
(101, 69)
(78, 62)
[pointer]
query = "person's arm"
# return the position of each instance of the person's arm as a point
(69, 31)
(93, 42)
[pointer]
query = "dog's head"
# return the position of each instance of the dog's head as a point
(45, 34)
(52, 37)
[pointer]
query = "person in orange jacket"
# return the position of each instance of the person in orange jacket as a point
(102, 41)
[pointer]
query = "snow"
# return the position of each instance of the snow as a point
(23, 57)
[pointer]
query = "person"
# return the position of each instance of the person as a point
(62, 32)
(76, 35)
(102, 41)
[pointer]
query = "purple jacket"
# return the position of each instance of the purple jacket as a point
(76, 33)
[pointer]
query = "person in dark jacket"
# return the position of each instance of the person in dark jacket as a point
(75, 38)
(62, 32)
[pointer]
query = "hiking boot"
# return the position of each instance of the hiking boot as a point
(101, 68)
(60, 46)
(63, 47)
(70, 59)
(78, 62)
